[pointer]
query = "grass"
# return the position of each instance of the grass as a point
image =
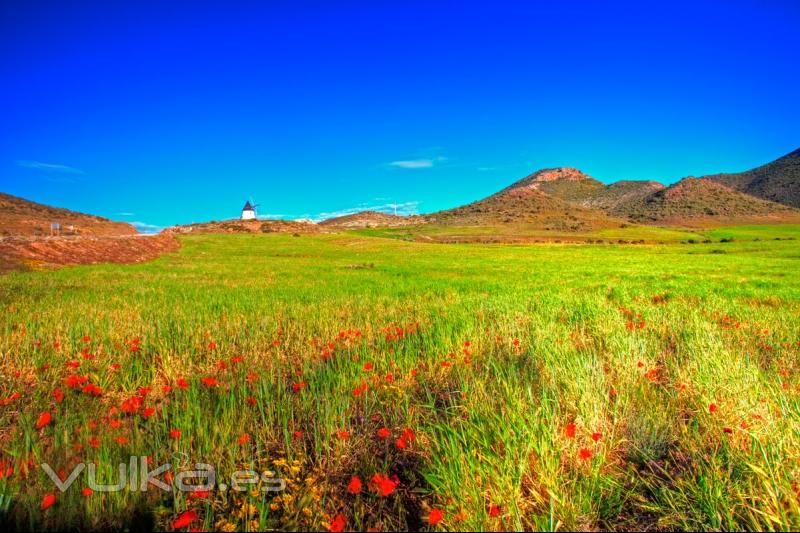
(488, 354)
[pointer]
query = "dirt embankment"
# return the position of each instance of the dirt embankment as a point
(30, 253)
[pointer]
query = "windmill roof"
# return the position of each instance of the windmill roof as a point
(248, 207)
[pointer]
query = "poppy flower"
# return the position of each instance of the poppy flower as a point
(87, 492)
(712, 408)
(727, 430)
(87, 339)
(148, 412)
(368, 367)
(344, 435)
(244, 439)
(354, 487)
(182, 384)
(209, 381)
(596, 436)
(58, 394)
(338, 524)
(166, 389)
(121, 440)
(297, 435)
(435, 516)
(384, 433)
(237, 360)
(175, 434)
(569, 430)
(94, 442)
(383, 485)
(212, 345)
(48, 501)
(585, 453)
(185, 519)
(494, 510)
(401, 443)
(44, 419)
(251, 401)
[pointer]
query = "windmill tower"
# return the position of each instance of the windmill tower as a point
(249, 211)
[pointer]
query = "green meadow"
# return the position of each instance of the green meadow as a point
(408, 385)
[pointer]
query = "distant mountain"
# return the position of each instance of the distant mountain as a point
(247, 226)
(21, 217)
(693, 200)
(527, 202)
(778, 181)
(371, 219)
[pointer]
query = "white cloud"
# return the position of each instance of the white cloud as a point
(49, 167)
(125, 214)
(146, 228)
(417, 163)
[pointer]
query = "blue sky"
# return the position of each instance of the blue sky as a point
(162, 113)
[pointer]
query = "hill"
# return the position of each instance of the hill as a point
(248, 226)
(371, 219)
(778, 181)
(616, 198)
(527, 202)
(693, 200)
(21, 217)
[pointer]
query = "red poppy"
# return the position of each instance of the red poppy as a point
(209, 381)
(389, 377)
(166, 389)
(585, 453)
(401, 443)
(237, 360)
(494, 510)
(569, 430)
(435, 516)
(121, 440)
(148, 412)
(48, 501)
(175, 434)
(344, 435)
(354, 487)
(73, 364)
(361, 389)
(297, 435)
(94, 442)
(596, 436)
(244, 439)
(182, 384)
(212, 345)
(58, 394)
(712, 408)
(727, 430)
(338, 524)
(251, 401)
(383, 485)
(44, 419)
(87, 492)
(384, 433)
(184, 520)
(368, 367)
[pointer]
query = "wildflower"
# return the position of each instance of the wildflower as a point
(435, 516)
(237, 360)
(182, 384)
(401, 443)
(585, 453)
(94, 442)
(344, 435)
(368, 367)
(727, 430)
(354, 487)
(44, 419)
(175, 434)
(87, 339)
(383, 485)
(87, 492)
(58, 394)
(212, 345)
(384, 433)
(569, 430)
(712, 408)
(251, 401)
(209, 381)
(244, 439)
(596, 436)
(184, 519)
(121, 440)
(409, 435)
(48, 501)
(494, 510)
(297, 435)
(338, 524)
(148, 412)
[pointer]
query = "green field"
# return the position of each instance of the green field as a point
(537, 387)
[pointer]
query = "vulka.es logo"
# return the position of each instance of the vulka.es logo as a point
(137, 476)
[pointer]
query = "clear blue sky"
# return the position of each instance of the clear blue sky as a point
(160, 113)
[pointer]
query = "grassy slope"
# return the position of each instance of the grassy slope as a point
(491, 432)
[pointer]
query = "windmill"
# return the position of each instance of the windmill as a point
(249, 211)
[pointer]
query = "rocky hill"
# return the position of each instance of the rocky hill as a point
(21, 217)
(778, 181)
